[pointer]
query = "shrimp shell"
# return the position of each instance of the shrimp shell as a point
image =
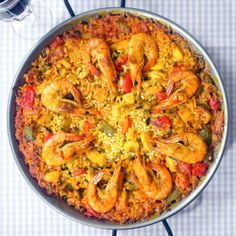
(105, 200)
(157, 186)
(101, 51)
(189, 84)
(54, 154)
(141, 44)
(194, 151)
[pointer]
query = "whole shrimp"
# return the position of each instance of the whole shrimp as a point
(53, 97)
(188, 84)
(193, 150)
(156, 187)
(141, 44)
(104, 201)
(54, 154)
(99, 49)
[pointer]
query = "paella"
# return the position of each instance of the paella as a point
(119, 117)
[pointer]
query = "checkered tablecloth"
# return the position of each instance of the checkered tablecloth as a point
(213, 23)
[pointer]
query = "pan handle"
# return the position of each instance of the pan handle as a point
(165, 223)
(167, 228)
(122, 3)
(72, 13)
(69, 8)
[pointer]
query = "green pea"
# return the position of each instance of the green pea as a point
(28, 133)
(107, 129)
(206, 135)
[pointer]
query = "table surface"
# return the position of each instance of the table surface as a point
(213, 23)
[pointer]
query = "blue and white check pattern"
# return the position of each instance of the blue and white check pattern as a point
(213, 213)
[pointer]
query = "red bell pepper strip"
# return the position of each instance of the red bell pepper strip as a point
(162, 122)
(27, 101)
(127, 84)
(48, 136)
(78, 171)
(214, 104)
(56, 42)
(161, 96)
(127, 124)
(199, 169)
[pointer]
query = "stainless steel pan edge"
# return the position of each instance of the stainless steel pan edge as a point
(61, 206)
